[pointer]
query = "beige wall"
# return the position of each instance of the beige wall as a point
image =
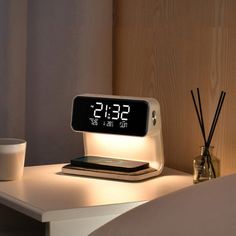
(51, 51)
(166, 48)
(13, 34)
(69, 53)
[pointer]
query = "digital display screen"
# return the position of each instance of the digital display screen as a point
(110, 115)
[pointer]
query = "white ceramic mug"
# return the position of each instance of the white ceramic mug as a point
(12, 158)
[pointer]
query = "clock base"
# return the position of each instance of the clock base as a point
(113, 175)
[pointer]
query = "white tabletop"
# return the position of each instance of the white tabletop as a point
(45, 194)
(204, 209)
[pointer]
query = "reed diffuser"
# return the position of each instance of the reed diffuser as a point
(206, 166)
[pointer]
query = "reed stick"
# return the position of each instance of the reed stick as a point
(216, 117)
(197, 112)
(201, 116)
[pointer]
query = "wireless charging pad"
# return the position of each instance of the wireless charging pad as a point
(111, 174)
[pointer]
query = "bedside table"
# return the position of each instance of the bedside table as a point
(47, 202)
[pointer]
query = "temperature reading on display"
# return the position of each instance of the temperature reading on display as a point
(113, 111)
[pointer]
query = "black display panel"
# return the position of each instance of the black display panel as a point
(110, 115)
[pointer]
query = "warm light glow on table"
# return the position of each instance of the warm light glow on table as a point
(124, 147)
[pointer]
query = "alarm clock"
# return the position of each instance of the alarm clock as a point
(122, 137)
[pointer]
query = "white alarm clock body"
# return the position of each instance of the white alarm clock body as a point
(143, 143)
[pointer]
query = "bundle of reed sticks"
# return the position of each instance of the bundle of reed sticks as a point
(207, 141)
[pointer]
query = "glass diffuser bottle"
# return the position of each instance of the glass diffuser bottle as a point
(206, 166)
